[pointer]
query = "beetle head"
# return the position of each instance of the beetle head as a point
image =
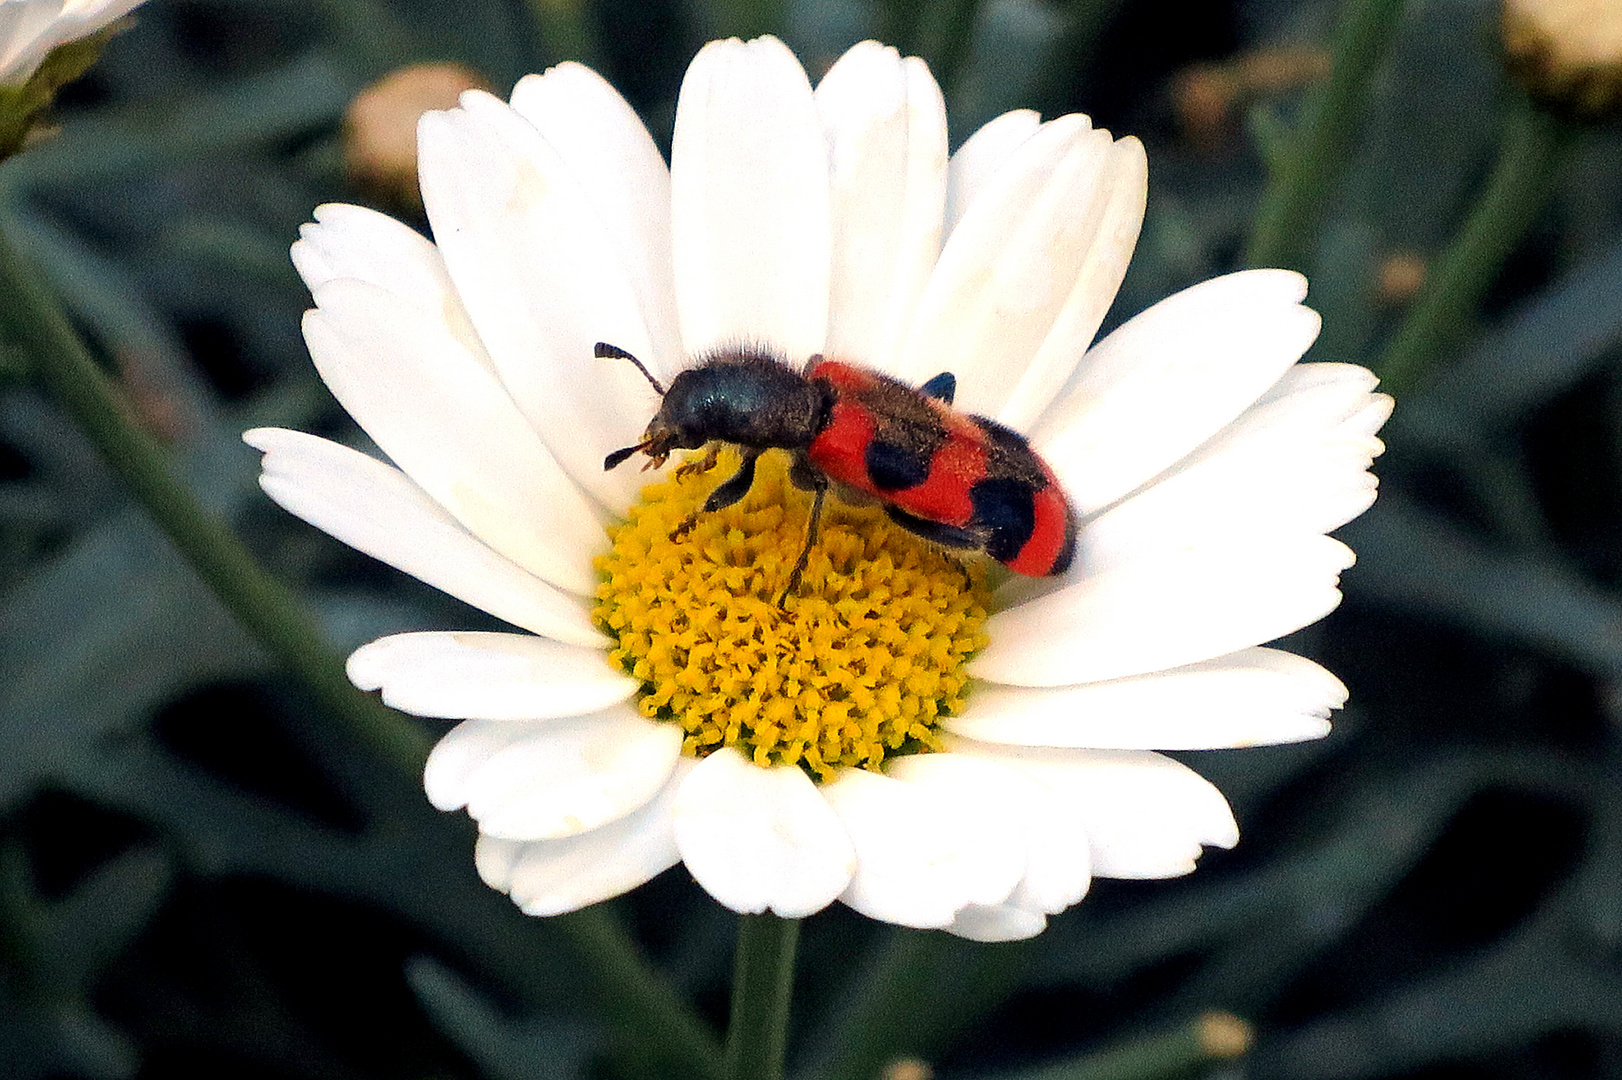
(658, 441)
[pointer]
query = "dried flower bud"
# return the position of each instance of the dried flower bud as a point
(380, 127)
(1223, 1035)
(908, 1069)
(1401, 276)
(1206, 96)
(1567, 53)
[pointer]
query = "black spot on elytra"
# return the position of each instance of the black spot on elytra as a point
(893, 467)
(1009, 455)
(945, 535)
(1067, 549)
(1006, 509)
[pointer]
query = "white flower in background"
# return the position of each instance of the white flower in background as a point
(1206, 463)
(30, 29)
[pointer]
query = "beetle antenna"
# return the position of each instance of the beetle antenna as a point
(604, 351)
(614, 460)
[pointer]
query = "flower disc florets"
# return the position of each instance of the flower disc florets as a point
(861, 664)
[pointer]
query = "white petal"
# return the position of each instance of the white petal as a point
(1058, 867)
(1004, 922)
(1119, 211)
(886, 129)
(1296, 461)
(1045, 850)
(375, 509)
(354, 242)
(566, 776)
(1165, 611)
(981, 156)
(1144, 815)
(446, 420)
(1169, 379)
(1249, 698)
(937, 835)
(543, 283)
(549, 877)
(749, 202)
(467, 764)
(761, 839)
(496, 859)
(481, 676)
(611, 154)
(1039, 254)
(462, 752)
(1316, 398)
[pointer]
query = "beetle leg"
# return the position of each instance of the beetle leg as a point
(818, 483)
(805, 476)
(702, 465)
(727, 493)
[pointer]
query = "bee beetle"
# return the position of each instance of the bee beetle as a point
(957, 480)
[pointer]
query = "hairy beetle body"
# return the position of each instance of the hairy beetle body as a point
(953, 478)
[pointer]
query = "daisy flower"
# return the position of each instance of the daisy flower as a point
(928, 739)
(30, 29)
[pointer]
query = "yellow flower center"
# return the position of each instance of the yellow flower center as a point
(864, 663)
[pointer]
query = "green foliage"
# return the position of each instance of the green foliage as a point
(22, 107)
(199, 869)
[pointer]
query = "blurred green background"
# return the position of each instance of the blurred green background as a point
(201, 874)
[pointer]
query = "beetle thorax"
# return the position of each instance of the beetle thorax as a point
(747, 400)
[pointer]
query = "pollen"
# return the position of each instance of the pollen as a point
(863, 662)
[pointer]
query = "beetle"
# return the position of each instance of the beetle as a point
(958, 480)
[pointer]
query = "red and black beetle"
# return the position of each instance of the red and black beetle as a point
(957, 480)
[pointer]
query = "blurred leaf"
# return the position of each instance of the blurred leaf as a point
(84, 931)
(1007, 64)
(1416, 561)
(1543, 350)
(49, 1041)
(504, 1048)
(1555, 973)
(47, 1025)
(307, 92)
(92, 644)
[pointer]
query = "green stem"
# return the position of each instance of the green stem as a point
(1213, 1037)
(1329, 121)
(37, 328)
(1533, 147)
(762, 983)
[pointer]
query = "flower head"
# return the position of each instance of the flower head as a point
(932, 741)
(30, 29)
(1567, 54)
